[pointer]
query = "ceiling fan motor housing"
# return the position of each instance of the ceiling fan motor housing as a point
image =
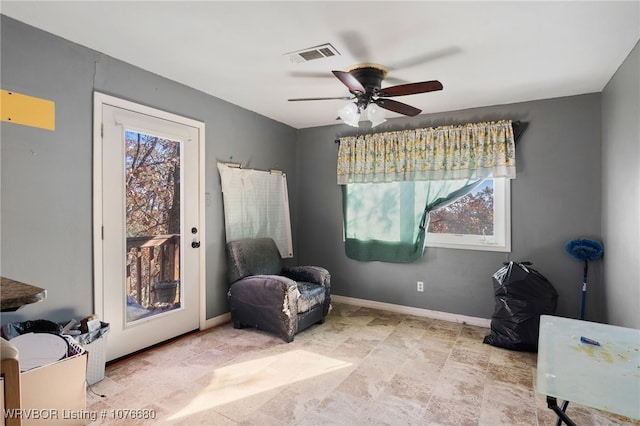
(370, 76)
(364, 82)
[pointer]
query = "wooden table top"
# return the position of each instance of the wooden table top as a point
(14, 294)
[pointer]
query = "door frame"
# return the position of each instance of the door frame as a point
(100, 99)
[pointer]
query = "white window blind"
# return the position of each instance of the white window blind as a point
(256, 204)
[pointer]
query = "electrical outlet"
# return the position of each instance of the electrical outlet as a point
(420, 286)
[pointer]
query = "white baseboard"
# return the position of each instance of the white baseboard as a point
(408, 310)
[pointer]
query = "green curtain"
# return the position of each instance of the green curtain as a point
(388, 222)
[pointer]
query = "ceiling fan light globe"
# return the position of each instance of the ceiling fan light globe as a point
(350, 115)
(375, 114)
(353, 121)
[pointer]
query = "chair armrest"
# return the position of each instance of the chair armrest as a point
(267, 292)
(264, 289)
(310, 274)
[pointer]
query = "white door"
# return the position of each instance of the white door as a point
(148, 231)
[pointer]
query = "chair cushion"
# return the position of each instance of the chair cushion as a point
(311, 295)
(255, 256)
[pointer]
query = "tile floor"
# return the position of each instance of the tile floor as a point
(362, 367)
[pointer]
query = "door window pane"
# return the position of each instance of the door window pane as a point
(153, 195)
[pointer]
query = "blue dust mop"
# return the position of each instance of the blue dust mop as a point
(584, 250)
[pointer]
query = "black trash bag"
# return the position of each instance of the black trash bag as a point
(16, 329)
(522, 295)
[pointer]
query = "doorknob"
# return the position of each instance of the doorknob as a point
(195, 244)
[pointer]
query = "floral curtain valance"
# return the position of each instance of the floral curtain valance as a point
(469, 151)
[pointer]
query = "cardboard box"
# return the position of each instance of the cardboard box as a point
(56, 393)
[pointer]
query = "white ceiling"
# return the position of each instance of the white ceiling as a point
(484, 53)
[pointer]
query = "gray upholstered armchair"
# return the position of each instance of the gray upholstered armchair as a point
(267, 295)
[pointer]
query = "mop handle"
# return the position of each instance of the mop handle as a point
(584, 289)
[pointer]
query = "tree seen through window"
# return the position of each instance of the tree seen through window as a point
(470, 215)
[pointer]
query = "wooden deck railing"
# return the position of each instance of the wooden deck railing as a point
(151, 262)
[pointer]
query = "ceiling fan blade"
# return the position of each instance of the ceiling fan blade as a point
(425, 58)
(344, 98)
(356, 45)
(410, 88)
(350, 81)
(310, 74)
(398, 107)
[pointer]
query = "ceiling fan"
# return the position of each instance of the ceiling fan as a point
(364, 82)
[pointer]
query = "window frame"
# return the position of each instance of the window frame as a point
(499, 242)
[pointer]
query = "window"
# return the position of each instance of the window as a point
(390, 213)
(394, 181)
(481, 220)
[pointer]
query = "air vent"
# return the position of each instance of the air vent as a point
(317, 52)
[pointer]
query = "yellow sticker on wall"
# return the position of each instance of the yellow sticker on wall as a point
(27, 110)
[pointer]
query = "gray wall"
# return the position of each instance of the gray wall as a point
(46, 182)
(555, 198)
(46, 203)
(621, 192)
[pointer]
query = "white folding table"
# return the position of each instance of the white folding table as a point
(604, 376)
